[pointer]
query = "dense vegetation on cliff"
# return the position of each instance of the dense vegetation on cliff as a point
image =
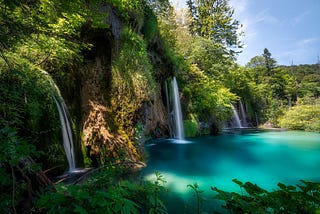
(111, 60)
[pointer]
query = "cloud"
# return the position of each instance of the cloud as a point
(307, 42)
(300, 17)
(265, 16)
(301, 52)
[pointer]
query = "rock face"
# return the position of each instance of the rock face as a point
(116, 116)
(154, 116)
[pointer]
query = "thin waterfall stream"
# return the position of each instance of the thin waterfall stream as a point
(178, 122)
(243, 114)
(66, 130)
(236, 119)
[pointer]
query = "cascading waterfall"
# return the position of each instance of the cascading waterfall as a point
(236, 123)
(66, 129)
(179, 131)
(243, 114)
(66, 133)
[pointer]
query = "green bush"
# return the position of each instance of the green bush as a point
(302, 117)
(190, 128)
(13, 149)
(26, 104)
(104, 192)
(288, 199)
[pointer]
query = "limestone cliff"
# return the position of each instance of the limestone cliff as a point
(120, 93)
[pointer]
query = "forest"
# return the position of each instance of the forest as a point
(108, 63)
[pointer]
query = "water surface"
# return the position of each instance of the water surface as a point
(261, 157)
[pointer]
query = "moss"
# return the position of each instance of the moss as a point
(190, 128)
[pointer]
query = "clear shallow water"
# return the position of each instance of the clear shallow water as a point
(261, 157)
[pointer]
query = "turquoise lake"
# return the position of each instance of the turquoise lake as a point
(259, 156)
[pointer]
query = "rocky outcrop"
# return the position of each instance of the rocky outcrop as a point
(154, 116)
(120, 95)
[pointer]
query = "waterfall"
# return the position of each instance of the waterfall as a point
(66, 133)
(243, 114)
(178, 132)
(236, 123)
(66, 129)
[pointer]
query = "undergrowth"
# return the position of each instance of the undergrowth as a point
(104, 192)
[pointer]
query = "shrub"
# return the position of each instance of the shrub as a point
(103, 192)
(190, 128)
(302, 117)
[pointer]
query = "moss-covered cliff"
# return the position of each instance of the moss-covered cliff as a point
(109, 63)
(121, 99)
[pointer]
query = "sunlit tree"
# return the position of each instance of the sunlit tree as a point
(213, 19)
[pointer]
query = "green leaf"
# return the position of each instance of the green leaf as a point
(237, 182)
(79, 209)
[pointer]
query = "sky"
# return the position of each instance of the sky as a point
(289, 29)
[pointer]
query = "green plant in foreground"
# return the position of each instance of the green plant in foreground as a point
(104, 192)
(13, 149)
(288, 199)
(197, 193)
(157, 188)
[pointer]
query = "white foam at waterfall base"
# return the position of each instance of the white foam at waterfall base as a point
(179, 131)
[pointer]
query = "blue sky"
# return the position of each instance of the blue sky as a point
(290, 29)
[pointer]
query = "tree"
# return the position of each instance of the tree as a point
(213, 19)
(257, 61)
(270, 63)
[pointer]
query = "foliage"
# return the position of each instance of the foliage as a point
(190, 128)
(270, 89)
(270, 63)
(214, 20)
(206, 98)
(133, 81)
(197, 193)
(102, 193)
(26, 103)
(288, 199)
(13, 149)
(157, 205)
(209, 57)
(127, 7)
(150, 28)
(302, 117)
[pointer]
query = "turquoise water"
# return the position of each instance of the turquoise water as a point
(261, 157)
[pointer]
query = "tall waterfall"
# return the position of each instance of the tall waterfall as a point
(66, 129)
(66, 133)
(179, 131)
(236, 123)
(243, 114)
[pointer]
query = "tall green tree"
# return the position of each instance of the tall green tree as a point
(213, 19)
(270, 63)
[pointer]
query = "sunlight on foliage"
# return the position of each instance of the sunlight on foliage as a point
(302, 117)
